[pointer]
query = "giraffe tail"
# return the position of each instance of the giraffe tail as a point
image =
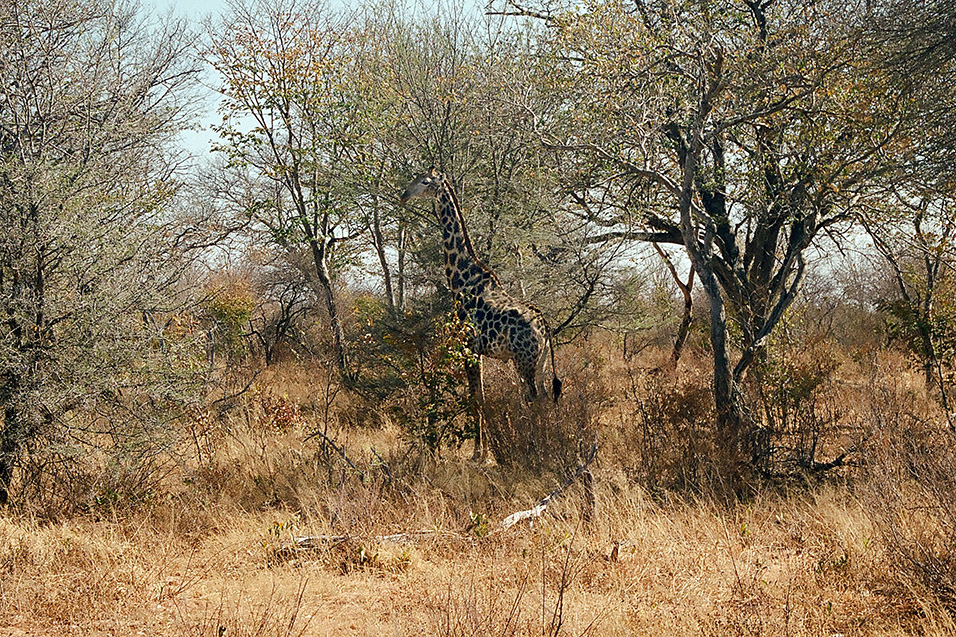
(555, 381)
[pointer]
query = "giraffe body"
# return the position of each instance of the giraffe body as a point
(507, 329)
(504, 327)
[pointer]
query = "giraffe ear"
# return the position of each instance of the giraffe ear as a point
(431, 170)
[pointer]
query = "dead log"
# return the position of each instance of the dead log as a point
(312, 542)
(538, 509)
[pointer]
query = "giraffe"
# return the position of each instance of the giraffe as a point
(504, 327)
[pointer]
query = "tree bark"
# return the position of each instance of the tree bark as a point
(402, 240)
(328, 296)
(10, 440)
(378, 239)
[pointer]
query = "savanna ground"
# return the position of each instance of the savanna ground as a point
(209, 548)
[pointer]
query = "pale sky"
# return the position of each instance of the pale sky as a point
(192, 9)
(195, 142)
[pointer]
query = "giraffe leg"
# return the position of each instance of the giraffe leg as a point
(526, 370)
(477, 393)
(544, 372)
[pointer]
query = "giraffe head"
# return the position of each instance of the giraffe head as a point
(425, 185)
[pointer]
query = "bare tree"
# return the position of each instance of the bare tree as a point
(91, 94)
(914, 233)
(284, 301)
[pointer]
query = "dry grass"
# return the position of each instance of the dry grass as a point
(809, 564)
(209, 555)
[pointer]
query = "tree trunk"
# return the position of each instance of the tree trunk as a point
(325, 281)
(378, 240)
(402, 240)
(731, 424)
(684, 329)
(10, 441)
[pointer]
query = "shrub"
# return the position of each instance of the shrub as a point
(543, 436)
(911, 493)
(414, 363)
(668, 428)
(800, 409)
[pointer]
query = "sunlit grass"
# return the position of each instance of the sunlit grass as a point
(214, 553)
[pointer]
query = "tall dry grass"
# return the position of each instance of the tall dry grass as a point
(863, 550)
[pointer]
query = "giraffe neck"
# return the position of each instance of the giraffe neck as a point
(464, 271)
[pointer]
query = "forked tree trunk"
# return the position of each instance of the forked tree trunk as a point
(328, 296)
(731, 424)
(378, 239)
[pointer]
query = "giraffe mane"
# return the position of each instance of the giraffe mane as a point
(464, 230)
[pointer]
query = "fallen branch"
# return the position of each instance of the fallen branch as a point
(383, 465)
(341, 452)
(311, 542)
(839, 461)
(538, 509)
